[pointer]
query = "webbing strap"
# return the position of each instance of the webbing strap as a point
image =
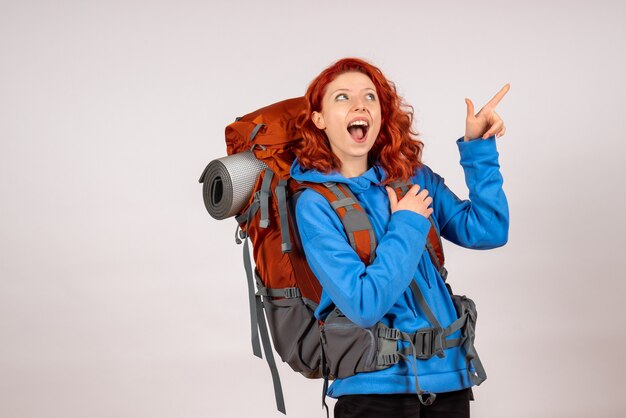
(269, 356)
(420, 393)
(247, 263)
(258, 326)
(286, 292)
(402, 185)
(348, 220)
(250, 212)
(471, 356)
(340, 203)
(256, 130)
(437, 329)
(361, 225)
(265, 198)
(456, 325)
(437, 259)
(282, 213)
(467, 324)
(254, 332)
(325, 376)
(433, 256)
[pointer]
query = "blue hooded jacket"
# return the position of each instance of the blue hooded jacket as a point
(380, 291)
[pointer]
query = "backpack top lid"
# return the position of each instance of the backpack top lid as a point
(271, 133)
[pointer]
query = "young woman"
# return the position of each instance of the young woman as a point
(357, 131)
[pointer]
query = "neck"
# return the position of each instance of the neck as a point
(353, 169)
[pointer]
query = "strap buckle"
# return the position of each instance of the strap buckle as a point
(388, 359)
(291, 292)
(424, 341)
(389, 333)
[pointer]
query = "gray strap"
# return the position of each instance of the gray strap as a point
(265, 198)
(353, 220)
(433, 256)
(247, 263)
(287, 292)
(471, 356)
(456, 325)
(360, 223)
(453, 342)
(342, 203)
(400, 184)
(282, 213)
(256, 130)
(418, 389)
(269, 356)
(423, 305)
(324, 375)
(467, 323)
(250, 212)
(256, 347)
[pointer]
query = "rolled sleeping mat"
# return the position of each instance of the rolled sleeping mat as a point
(228, 183)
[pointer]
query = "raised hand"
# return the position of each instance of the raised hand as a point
(486, 122)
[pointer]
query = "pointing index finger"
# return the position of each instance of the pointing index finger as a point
(499, 95)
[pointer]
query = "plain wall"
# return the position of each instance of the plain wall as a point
(121, 297)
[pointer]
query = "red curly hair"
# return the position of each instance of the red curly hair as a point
(397, 148)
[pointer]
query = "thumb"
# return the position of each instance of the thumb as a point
(470, 107)
(393, 199)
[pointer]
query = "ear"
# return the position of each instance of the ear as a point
(318, 120)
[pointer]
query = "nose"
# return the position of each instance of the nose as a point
(359, 105)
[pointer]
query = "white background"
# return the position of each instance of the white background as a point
(121, 297)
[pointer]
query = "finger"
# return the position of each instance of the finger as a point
(470, 107)
(499, 95)
(423, 194)
(393, 199)
(496, 127)
(501, 133)
(414, 190)
(428, 201)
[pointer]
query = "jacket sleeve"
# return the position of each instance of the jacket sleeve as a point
(482, 222)
(364, 293)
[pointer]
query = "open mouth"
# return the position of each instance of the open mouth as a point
(358, 130)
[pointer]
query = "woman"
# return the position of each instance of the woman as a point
(357, 131)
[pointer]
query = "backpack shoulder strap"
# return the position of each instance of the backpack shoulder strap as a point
(433, 242)
(354, 219)
(358, 226)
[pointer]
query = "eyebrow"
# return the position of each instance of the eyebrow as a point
(366, 88)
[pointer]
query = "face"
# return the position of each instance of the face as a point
(350, 117)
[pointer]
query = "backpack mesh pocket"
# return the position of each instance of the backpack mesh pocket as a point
(348, 348)
(295, 334)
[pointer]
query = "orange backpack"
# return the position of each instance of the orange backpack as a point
(287, 292)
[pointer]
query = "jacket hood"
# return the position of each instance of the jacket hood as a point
(374, 176)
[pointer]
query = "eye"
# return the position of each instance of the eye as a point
(341, 96)
(370, 96)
